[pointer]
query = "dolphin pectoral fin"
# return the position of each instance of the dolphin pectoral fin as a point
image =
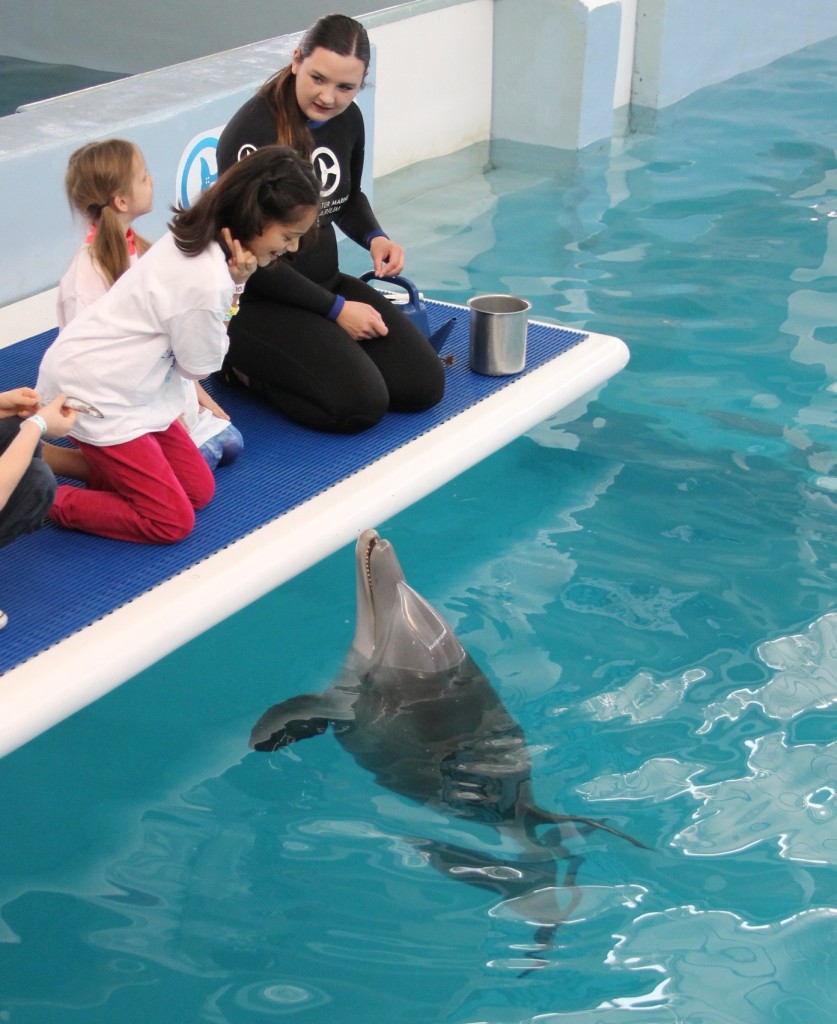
(294, 719)
(290, 732)
(306, 714)
(542, 817)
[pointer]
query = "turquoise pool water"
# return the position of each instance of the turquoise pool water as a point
(651, 588)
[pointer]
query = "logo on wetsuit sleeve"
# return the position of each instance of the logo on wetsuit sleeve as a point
(328, 169)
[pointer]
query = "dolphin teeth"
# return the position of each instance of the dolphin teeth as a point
(368, 560)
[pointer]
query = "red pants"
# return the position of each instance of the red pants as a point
(144, 490)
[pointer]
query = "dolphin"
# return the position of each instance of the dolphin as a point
(412, 707)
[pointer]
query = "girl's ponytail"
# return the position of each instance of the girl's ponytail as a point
(96, 174)
(108, 246)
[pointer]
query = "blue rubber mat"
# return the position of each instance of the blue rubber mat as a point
(55, 582)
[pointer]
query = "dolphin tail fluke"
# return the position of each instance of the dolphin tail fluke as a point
(545, 941)
(512, 879)
(545, 935)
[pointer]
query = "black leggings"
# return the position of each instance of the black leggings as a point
(314, 373)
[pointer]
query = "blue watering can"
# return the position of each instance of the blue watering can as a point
(415, 309)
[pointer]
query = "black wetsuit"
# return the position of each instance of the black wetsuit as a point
(282, 337)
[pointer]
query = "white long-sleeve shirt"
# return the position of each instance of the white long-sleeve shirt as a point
(125, 352)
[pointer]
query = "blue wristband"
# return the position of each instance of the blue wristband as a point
(336, 308)
(39, 422)
(371, 235)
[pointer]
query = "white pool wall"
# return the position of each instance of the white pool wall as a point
(558, 75)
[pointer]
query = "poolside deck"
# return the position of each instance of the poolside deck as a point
(86, 614)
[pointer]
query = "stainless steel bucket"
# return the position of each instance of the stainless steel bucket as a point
(498, 334)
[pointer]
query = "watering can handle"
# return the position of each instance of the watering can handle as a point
(403, 282)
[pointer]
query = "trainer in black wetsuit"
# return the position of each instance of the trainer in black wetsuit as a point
(285, 338)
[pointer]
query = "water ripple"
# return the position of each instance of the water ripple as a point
(787, 799)
(805, 679)
(644, 697)
(779, 971)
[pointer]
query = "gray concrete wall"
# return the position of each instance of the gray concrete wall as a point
(127, 36)
(433, 80)
(684, 45)
(565, 71)
(555, 71)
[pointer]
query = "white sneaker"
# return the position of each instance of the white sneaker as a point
(4, 618)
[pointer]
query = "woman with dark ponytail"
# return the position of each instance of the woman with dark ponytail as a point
(326, 349)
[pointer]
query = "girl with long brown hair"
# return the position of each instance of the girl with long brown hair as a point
(108, 185)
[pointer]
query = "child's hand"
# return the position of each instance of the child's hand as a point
(209, 403)
(206, 401)
(58, 418)
(19, 402)
(242, 263)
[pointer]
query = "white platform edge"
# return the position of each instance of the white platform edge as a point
(61, 680)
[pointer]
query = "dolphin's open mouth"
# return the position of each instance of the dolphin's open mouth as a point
(367, 559)
(364, 641)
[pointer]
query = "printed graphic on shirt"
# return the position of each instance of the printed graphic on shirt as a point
(327, 167)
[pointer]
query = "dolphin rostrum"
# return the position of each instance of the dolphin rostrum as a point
(412, 707)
